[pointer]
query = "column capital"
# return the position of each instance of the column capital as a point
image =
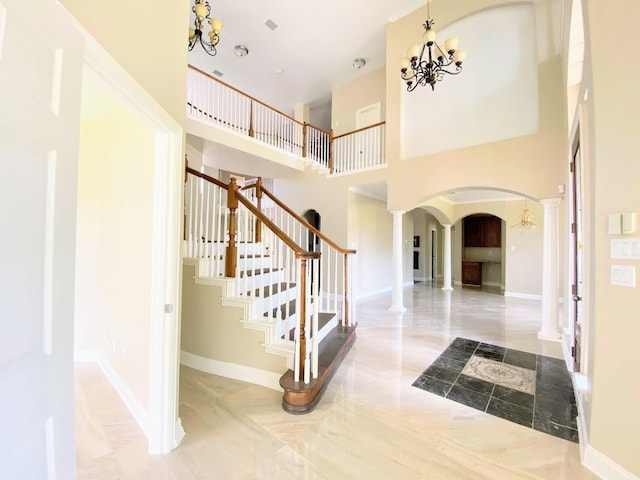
(397, 212)
(550, 202)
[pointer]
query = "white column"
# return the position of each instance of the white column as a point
(549, 329)
(447, 257)
(396, 293)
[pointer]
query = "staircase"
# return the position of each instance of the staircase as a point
(251, 246)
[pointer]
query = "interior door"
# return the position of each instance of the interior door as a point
(577, 252)
(40, 78)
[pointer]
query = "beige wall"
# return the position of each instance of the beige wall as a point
(370, 230)
(213, 331)
(115, 211)
(533, 165)
(150, 46)
(346, 100)
(613, 171)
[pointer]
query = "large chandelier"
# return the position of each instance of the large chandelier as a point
(427, 63)
(202, 12)
(525, 226)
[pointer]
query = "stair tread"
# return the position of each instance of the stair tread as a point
(323, 319)
(274, 288)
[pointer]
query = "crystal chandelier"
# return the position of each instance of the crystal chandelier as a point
(202, 12)
(427, 63)
(525, 226)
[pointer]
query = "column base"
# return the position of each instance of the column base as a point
(397, 308)
(549, 336)
(447, 289)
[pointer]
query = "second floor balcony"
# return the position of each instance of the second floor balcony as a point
(218, 104)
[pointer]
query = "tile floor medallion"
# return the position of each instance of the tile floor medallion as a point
(525, 388)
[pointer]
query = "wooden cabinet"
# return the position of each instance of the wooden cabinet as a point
(472, 273)
(482, 231)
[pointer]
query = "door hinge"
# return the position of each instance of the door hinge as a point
(574, 290)
(572, 167)
(573, 351)
(573, 228)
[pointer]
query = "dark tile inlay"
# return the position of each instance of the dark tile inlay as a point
(551, 410)
(449, 364)
(513, 396)
(432, 385)
(440, 373)
(475, 384)
(511, 412)
(468, 397)
(520, 359)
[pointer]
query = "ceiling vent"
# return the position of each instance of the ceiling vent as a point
(217, 73)
(271, 25)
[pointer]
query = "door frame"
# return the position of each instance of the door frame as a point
(434, 253)
(163, 426)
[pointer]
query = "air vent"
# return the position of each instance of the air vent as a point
(271, 25)
(217, 73)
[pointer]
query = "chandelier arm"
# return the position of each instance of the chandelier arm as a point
(209, 48)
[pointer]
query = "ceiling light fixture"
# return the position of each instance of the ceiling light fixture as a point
(358, 63)
(429, 62)
(202, 12)
(525, 226)
(241, 50)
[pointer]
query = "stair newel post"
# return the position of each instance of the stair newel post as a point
(252, 132)
(231, 255)
(330, 151)
(184, 207)
(305, 126)
(258, 238)
(302, 317)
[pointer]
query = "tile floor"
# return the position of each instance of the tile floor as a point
(522, 387)
(371, 424)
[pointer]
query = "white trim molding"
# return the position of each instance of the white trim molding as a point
(232, 370)
(604, 467)
(132, 403)
(526, 296)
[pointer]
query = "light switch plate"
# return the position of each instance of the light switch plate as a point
(615, 224)
(625, 248)
(623, 275)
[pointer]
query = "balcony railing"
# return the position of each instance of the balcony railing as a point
(212, 101)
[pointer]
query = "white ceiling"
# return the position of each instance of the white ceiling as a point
(314, 45)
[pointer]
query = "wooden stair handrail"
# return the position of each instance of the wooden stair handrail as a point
(246, 95)
(303, 221)
(300, 252)
(360, 130)
(206, 177)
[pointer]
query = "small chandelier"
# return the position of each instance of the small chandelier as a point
(428, 63)
(525, 226)
(202, 12)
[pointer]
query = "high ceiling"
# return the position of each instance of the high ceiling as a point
(308, 54)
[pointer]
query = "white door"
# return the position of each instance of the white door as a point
(40, 75)
(367, 142)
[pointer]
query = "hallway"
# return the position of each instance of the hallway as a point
(372, 423)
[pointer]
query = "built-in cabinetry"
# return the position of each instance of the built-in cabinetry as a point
(482, 242)
(472, 273)
(482, 231)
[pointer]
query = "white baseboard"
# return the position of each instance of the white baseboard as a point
(493, 284)
(179, 433)
(232, 370)
(140, 414)
(604, 467)
(526, 296)
(375, 293)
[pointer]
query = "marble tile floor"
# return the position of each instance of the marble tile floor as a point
(528, 389)
(371, 423)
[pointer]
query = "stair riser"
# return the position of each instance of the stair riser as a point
(204, 250)
(253, 263)
(267, 278)
(262, 306)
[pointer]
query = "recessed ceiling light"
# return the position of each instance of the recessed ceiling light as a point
(358, 63)
(241, 50)
(279, 71)
(271, 25)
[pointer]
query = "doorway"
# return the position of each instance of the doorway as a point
(434, 252)
(577, 253)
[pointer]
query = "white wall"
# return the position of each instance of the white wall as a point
(114, 238)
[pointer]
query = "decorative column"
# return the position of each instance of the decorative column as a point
(447, 257)
(396, 294)
(549, 329)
